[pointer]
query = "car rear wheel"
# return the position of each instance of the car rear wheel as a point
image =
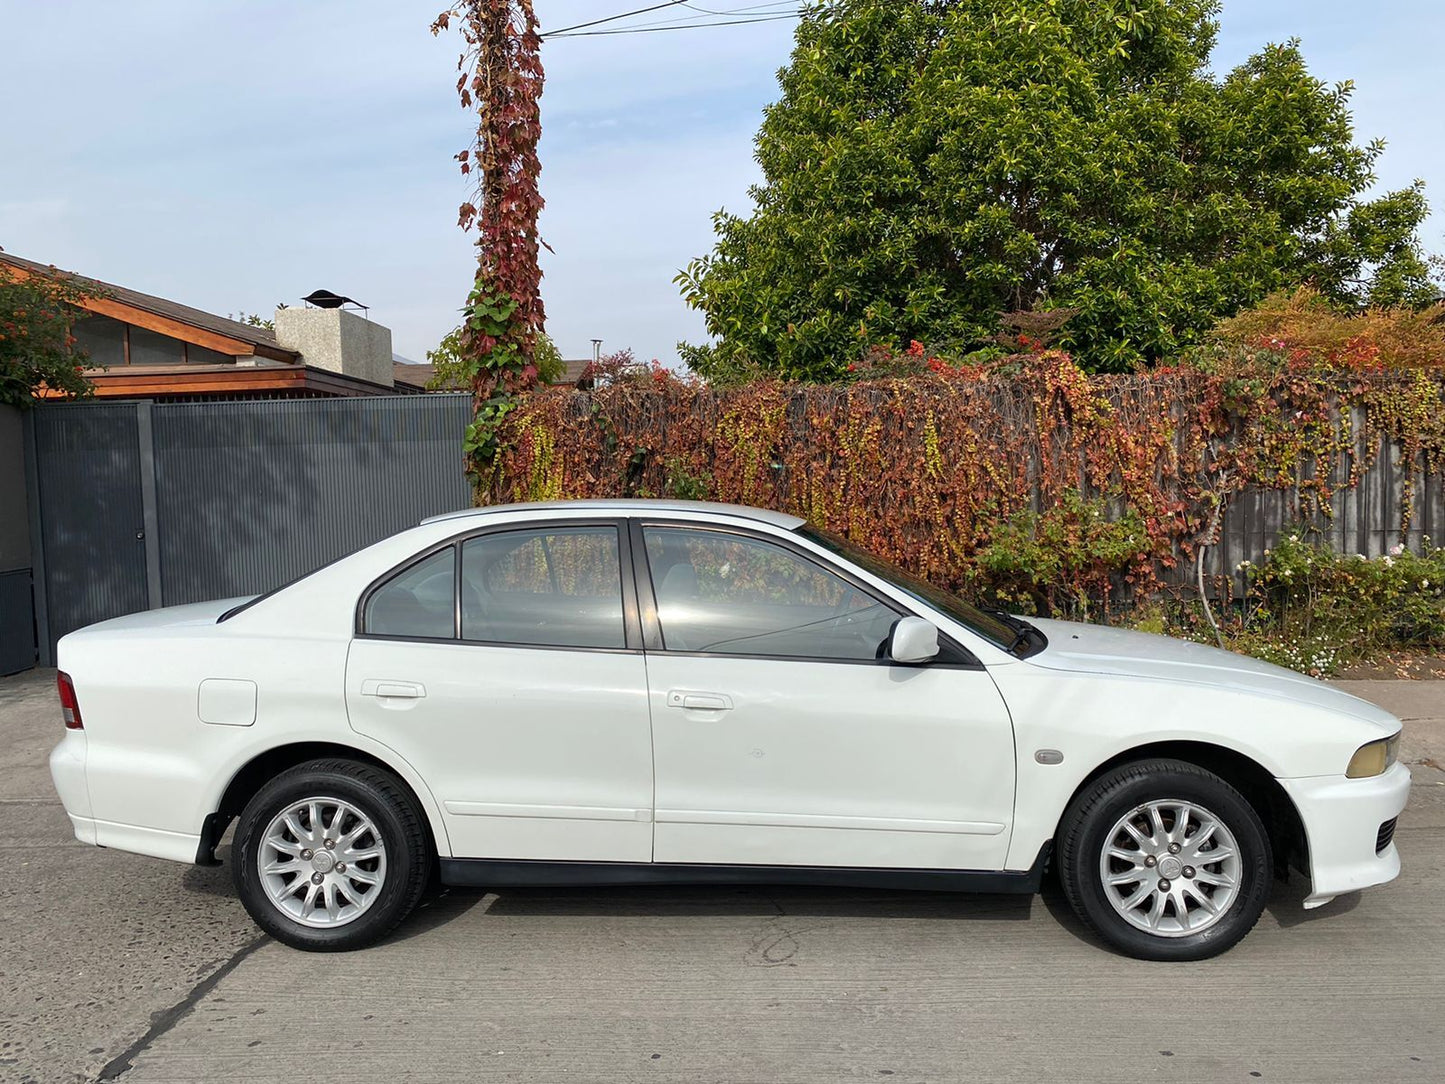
(330, 855)
(1165, 861)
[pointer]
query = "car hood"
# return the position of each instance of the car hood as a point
(1099, 649)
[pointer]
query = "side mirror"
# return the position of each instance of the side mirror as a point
(913, 640)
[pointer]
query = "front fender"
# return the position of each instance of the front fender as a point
(1092, 719)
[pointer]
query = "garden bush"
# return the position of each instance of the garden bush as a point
(1312, 609)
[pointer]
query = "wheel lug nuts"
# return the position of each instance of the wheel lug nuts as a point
(1189, 871)
(316, 878)
(1173, 848)
(1163, 886)
(306, 855)
(330, 843)
(1151, 861)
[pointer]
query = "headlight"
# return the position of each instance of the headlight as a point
(1373, 759)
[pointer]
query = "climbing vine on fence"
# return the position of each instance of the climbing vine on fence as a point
(501, 78)
(1024, 479)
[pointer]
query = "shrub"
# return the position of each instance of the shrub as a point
(1311, 595)
(1304, 326)
(1061, 561)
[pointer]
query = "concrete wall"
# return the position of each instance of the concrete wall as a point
(338, 340)
(14, 514)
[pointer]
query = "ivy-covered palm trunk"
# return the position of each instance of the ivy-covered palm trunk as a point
(501, 78)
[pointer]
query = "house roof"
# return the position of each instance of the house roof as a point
(167, 317)
(247, 380)
(420, 376)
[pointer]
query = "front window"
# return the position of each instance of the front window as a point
(994, 629)
(736, 595)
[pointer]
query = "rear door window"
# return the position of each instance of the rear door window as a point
(558, 586)
(418, 602)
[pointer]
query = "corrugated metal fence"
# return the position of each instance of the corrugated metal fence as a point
(141, 505)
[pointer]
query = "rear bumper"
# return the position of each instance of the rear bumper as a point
(67, 772)
(1342, 820)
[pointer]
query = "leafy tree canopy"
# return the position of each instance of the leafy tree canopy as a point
(37, 349)
(933, 163)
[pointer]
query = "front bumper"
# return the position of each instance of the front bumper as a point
(1342, 819)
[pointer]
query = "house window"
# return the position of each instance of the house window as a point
(150, 348)
(102, 339)
(199, 355)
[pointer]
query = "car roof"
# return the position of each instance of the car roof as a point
(632, 507)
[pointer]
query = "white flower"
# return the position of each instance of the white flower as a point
(1424, 584)
(1397, 549)
(1388, 561)
(1294, 538)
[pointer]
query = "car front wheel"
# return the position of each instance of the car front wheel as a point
(330, 855)
(1165, 861)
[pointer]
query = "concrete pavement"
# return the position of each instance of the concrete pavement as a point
(121, 967)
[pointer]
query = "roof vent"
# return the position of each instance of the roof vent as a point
(325, 299)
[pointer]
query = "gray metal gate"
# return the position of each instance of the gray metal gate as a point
(92, 525)
(157, 504)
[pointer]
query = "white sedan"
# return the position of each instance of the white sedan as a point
(621, 692)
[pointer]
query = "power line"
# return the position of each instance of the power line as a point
(614, 18)
(740, 11)
(674, 26)
(705, 13)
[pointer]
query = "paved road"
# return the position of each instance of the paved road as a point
(119, 967)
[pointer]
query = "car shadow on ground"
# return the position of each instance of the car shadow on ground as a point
(444, 906)
(441, 906)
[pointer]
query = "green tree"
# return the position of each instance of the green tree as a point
(37, 349)
(933, 163)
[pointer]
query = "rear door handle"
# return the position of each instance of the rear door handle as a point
(694, 701)
(393, 690)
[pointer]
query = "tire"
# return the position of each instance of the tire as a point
(1156, 873)
(316, 816)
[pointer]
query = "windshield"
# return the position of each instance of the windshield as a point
(1002, 634)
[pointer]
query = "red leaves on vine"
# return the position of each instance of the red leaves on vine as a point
(502, 78)
(952, 469)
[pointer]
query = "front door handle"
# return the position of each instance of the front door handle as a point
(394, 690)
(696, 701)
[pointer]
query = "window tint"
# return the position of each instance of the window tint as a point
(557, 587)
(418, 601)
(737, 595)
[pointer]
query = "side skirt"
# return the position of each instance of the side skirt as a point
(516, 873)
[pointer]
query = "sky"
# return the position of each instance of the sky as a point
(232, 155)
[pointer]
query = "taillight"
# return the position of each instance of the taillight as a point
(69, 706)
